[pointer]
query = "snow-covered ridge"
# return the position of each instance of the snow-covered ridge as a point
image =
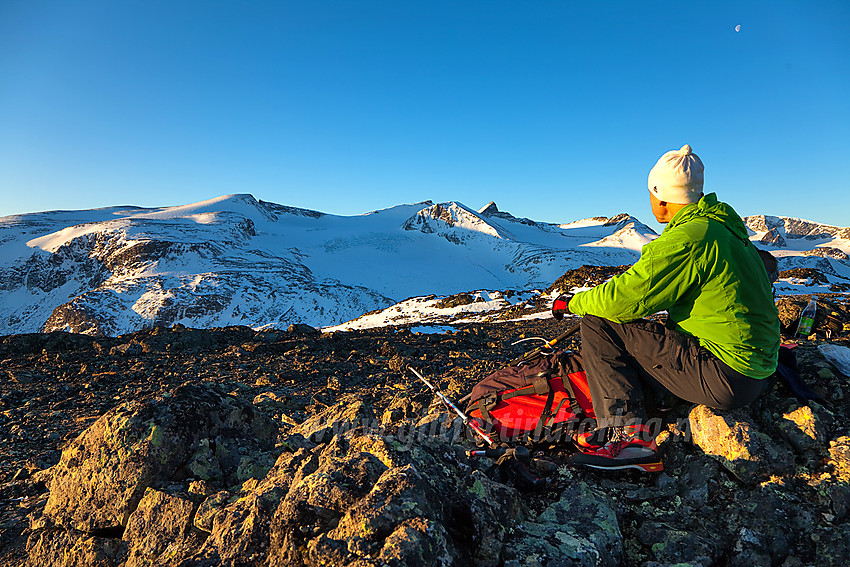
(794, 233)
(799, 243)
(452, 221)
(236, 260)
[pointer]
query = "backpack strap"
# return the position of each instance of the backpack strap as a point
(568, 386)
(550, 433)
(487, 403)
(545, 415)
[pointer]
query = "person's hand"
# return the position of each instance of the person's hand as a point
(561, 306)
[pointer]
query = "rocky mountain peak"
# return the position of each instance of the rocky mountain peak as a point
(794, 228)
(489, 209)
(236, 260)
(451, 220)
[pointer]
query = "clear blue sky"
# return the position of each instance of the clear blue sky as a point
(555, 110)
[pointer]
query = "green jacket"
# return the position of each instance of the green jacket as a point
(708, 276)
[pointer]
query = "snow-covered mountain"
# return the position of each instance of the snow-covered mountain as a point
(236, 260)
(798, 243)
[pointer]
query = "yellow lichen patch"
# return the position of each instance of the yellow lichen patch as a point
(773, 481)
(377, 446)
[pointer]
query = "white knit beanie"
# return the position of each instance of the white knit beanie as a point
(677, 177)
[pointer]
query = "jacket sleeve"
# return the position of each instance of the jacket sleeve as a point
(665, 273)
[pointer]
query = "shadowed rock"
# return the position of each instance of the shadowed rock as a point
(731, 438)
(104, 472)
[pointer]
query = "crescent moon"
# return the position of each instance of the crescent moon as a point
(738, 28)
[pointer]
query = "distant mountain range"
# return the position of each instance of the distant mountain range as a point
(234, 260)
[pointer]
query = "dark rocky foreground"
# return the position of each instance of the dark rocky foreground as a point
(234, 447)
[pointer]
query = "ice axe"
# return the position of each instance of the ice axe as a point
(547, 345)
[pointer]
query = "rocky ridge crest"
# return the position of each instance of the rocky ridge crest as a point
(179, 446)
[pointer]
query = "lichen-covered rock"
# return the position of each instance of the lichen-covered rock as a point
(839, 497)
(349, 503)
(839, 457)
(60, 548)
(195, 431)
(732, 438)
(208, 509)
(806, 427)
(699, 476)
(439, 424)
(495, 508)
(398, 495)
(579, 529)
(418, 541)
(670, 544)
(339, 418)
(159, 527)
(370, 500)
(239, 523)
(757, 526)
(833, 545)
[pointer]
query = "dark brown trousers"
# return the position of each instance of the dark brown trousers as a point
(628, 364)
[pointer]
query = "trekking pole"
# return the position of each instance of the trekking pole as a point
(466, 420)
(548, 344)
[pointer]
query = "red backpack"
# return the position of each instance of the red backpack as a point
(542, 400)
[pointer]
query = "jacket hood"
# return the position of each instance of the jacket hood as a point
(709, 207)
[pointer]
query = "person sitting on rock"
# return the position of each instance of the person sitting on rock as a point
(721, 339)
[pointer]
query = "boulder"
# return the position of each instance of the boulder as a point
(369, 500)
(60, 548)
(759, 523)
(160, 526)
(806, 427)
(839, 497)
(495, 508)
(671, 545)
(580, 529)
(839, 457)
(339, 418)
(195, 431)
(833, 545)
(302, 329)
(439, 424)
(417, 541)
(732, 438)
(209, 508)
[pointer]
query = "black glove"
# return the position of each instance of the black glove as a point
(561, 306)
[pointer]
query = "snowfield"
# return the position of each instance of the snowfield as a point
(234, 260)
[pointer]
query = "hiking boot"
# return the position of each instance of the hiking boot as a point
(629, 447)
(589, 440)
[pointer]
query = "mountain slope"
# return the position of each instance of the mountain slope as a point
(804, 245)
(236, 260)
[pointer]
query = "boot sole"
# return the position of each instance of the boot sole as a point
(646, 463)
(643, 467)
